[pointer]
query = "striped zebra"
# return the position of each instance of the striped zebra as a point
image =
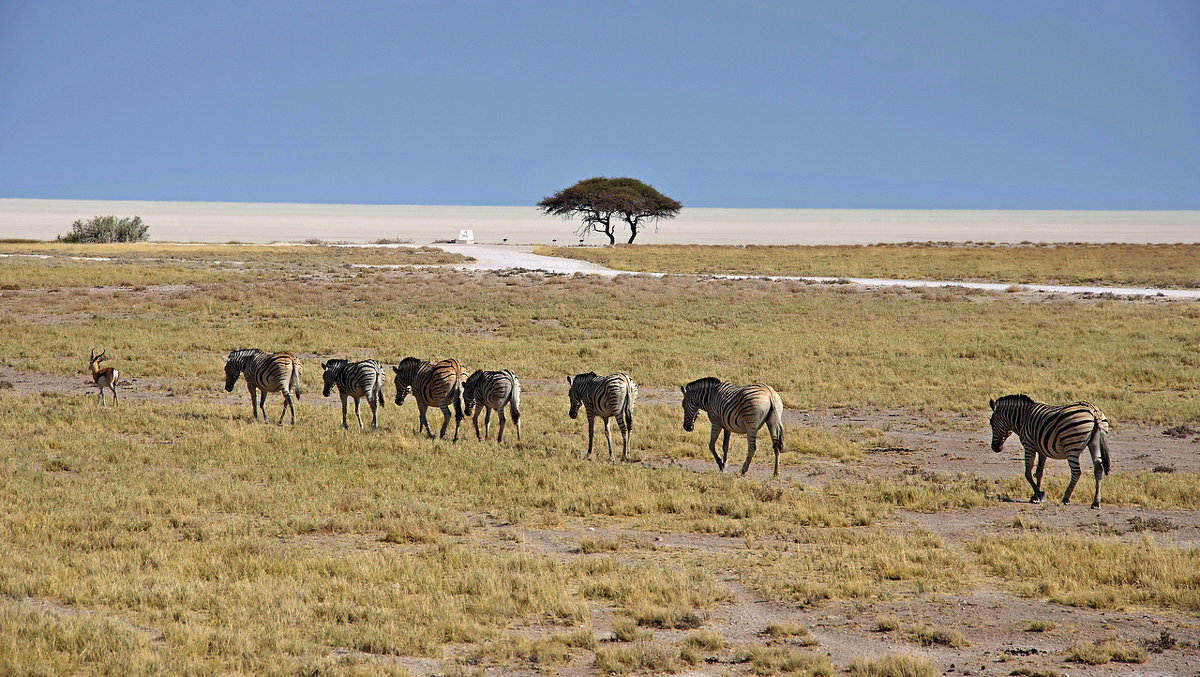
(268, 372)
(491, 390)
(607, 397)
(734, 410)
(358, 380)
(432, 385)
(1052, 432)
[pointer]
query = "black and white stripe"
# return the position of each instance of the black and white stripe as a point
(492, 390)
(611, 396)
(732, 409)
(358, 380)
(266, 372)
(432, 385)
(1052, 432)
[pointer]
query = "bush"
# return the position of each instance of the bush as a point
(107, 229)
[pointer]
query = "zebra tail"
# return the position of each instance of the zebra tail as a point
(777, 413)
(379, 387)
(628, 413)
(514, 400)
(1103, 447)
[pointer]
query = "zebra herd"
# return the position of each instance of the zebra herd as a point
(1045, 431)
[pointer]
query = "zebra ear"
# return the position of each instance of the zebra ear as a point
(992, 404)
(396, 370)
(225, 357)
(683, 389)
(568, 380)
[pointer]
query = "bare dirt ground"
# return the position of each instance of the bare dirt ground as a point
(993, 619)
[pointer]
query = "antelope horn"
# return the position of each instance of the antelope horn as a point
(101, 356)
(92, 357)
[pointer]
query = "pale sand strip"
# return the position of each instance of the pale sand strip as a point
(267, 222)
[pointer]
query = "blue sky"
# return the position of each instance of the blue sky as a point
(960, 104)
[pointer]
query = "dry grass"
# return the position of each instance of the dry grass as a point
(1094, 572)
(1170, 265)
(893, 665)
(175, 535)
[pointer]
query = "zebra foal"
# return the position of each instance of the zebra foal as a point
(432, 385)
(608, 397)
(738, 410)
(1052, 432)
(266, 372)
(492, 390)
(358, 380)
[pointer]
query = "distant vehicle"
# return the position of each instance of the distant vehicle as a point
(466, 236)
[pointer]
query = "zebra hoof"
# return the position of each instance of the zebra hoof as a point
(1095, 506)
(1035, 499)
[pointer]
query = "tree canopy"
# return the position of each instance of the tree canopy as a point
(598, 199)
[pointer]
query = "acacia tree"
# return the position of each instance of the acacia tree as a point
(598, 199)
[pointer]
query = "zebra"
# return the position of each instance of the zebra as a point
(604, 396)
(436, 385)
(273, 372)
(734, 410)
(357, 380)
(1052, 432)
(492, 390)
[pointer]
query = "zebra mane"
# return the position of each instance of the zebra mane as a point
(409, 361)
(244, 352)
(336, 362)
(1016, 398)
(589, 375)
(706, 382)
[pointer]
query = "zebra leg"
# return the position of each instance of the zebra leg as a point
(475, 421)
(357, 415)
(500, 418)
(712, 446)
(1097, 466)
(423, 420)
(624, 438)
(445, 422)
(1073, 461)
(344, 413)
(608, 438)
(374, 402)
(751, 441)
(1041, 467)
(591, 433)
(487, 422)
(725, 448)
(1030, 455)
(287, 404)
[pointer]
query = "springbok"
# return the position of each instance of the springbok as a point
(104, 378)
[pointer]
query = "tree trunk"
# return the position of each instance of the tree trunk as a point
(611, 238)
(633, 235)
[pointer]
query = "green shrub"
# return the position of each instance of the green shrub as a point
(107, 229)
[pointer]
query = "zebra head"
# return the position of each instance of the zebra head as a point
(233, 368)
(1004, 412)
(470, 386)
(329, 373)
(405, 372)
(575, 388)
(694, 396)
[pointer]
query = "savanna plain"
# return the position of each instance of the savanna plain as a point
(174, 534)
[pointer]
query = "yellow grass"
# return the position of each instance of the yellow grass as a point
(1175, 265)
